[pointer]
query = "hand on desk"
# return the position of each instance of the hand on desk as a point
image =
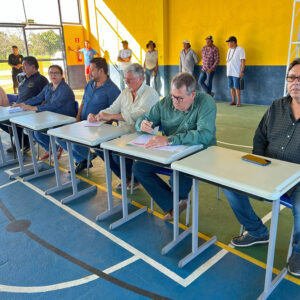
(92, 118)
(146, 126)
(157, 141)
(102, 116)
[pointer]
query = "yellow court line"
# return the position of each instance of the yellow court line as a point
(201, 235)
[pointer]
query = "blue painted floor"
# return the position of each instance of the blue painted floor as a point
(54, 251)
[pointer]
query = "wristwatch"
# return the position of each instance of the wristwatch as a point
(170, 141)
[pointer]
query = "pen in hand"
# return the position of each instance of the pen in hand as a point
(146, 125)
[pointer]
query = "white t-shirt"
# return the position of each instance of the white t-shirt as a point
(233, 59)
(151, 59)
(124, 53)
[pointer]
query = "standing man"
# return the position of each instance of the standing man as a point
(124, 59)
(88, 54)
(188, 58)
(277, 136)
(133, 102)
(15, 60)
(187, 118)
(210, 61)
(99, 94)
(236, 59)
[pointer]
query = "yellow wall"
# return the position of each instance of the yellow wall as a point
(261, 27)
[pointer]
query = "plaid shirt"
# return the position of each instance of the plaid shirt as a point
(210, 58)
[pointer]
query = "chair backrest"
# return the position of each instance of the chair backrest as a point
(286, 201)
(12, 98)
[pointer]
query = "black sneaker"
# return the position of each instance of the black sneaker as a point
(294, 264)
(26, 149)
(81, 166)
(11, 149)
(247, 240)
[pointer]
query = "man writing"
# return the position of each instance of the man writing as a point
(186, 118)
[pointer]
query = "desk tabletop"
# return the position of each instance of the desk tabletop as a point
(91, 136)
(225, 167)
(5, 115)
(42, 120)
(160, 156)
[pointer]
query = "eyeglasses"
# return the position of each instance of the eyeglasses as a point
(292, 78)
(129, 79)
(54, 73)
(178, 99)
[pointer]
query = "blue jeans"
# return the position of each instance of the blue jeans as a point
(161, 192)
(233, 82)
(122, 84)
(246, 216)
(203, 76)
(114, 162)
(148, 76)
(80, 153)
(42, 139)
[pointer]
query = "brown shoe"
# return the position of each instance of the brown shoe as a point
(169, 215)
(45, 156)
(59, 153)
(232, 103)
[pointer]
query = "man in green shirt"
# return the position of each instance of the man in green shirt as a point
(185, 118)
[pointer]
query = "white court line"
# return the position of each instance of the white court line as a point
(161, 268)
(67, 284)
(9, 183)
(235, 145)
(206, 266)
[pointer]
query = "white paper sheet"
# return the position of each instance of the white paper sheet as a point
(92, 124)
(144, 138)
(15, 109)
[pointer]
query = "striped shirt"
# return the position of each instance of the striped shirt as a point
(278, 133)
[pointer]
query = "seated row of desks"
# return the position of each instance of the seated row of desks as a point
(215, 165)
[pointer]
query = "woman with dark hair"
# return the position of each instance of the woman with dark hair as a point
(151, 64)
(57, 97)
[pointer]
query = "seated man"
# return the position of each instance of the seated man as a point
(277, 136)
(57, 97)
(186, 118)
(99, 93)
(132, 103)
(31, 86)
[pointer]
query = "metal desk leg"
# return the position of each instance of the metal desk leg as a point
(176, 237)
(269, 284)
(125, 217)
(59, 186)
(111, 209)
(195, 250)
(4, 161)
(75, 194)
(36, 167)
(19, 155)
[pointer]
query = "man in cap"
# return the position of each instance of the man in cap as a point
(235, 68)
(210, 61)
(124, 59)
(188, 58)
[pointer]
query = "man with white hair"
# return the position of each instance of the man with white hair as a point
(136, 100)
(188, 58)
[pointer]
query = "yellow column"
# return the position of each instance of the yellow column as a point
(87, 19)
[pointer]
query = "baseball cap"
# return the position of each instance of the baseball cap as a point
(209, 38)
(232, 39)
(186, 42)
